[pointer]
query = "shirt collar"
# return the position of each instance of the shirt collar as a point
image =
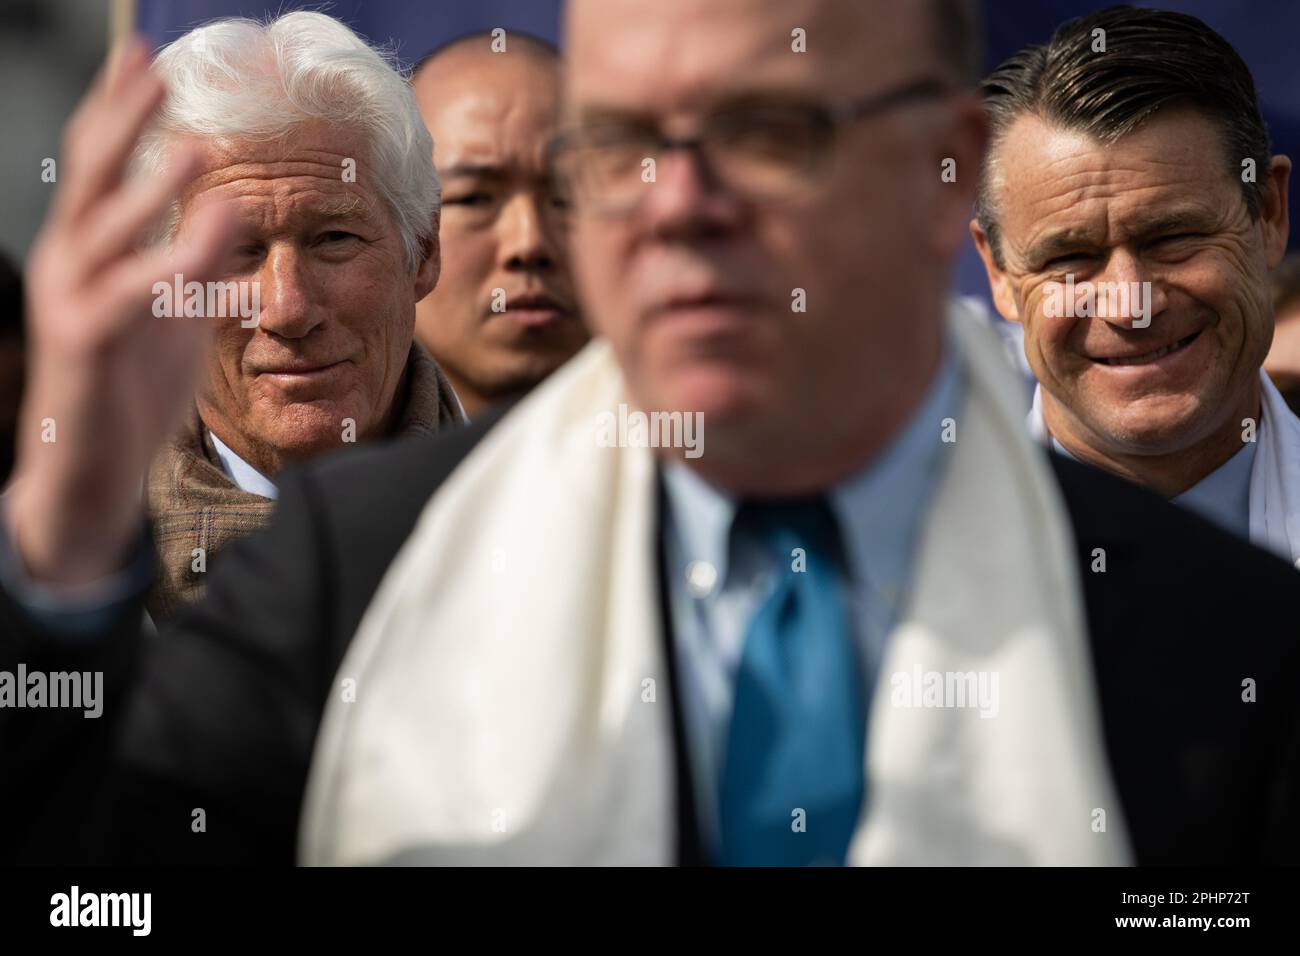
(245, 476)
(701, 516)
(879, 507)
(1222, 496)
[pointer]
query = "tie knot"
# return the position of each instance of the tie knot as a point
(787, 523)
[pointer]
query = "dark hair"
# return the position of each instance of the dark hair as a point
(1152, 58)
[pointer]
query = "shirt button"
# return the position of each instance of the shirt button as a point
(701, 578)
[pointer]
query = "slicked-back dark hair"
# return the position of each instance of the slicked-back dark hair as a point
(1152, 58)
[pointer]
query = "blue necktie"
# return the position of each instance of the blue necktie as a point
(792, 778)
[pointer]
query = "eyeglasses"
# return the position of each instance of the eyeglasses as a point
(764, 151)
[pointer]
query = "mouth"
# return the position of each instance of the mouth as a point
(301, 371)
(533, 311)
(1148, 357)
(704, 306)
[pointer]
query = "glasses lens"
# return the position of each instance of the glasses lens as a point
(770, 153)
(604, 169)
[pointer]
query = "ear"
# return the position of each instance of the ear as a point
(430, 268)
(999, 282)
(1274, 220)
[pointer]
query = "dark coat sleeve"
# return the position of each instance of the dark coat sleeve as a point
(1195, 640)
(213, 720)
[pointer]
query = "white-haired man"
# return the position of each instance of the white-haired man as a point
(316, 146)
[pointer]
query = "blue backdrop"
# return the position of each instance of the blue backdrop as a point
(414, 26)
(1264, 31)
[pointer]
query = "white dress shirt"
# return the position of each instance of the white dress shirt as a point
(245, 476)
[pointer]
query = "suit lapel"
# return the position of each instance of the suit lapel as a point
(689, 848)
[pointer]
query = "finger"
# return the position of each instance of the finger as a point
(196, 256)
(205, 241)
(128, 58)
(96, 155)
(118, 224)
(124, 61)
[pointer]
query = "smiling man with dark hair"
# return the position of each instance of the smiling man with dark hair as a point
(1128, 152)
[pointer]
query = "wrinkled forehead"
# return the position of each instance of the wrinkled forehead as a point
(311, 148)
(489, 112)
(316, 170)
(1054, 181)
(657, 57)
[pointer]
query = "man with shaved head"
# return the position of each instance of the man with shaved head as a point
(769, 574)
(503, 314)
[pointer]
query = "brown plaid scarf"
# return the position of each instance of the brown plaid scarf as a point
(193, 504)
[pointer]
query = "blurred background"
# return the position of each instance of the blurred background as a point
(49, 52)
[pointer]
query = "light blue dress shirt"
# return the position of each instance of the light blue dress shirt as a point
(716, 581)
(245, 476)
(1223, 496)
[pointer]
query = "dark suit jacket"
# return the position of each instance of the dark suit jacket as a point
(219, 712)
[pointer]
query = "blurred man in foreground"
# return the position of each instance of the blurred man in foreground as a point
(860, 617)
(503, 315)
(1132, 231)
(702, 689)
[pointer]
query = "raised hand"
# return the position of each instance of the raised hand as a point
(107, 379)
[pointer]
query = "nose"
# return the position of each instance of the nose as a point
(528, 240)
(685, 201)
(287, 309)
(1132, 298)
